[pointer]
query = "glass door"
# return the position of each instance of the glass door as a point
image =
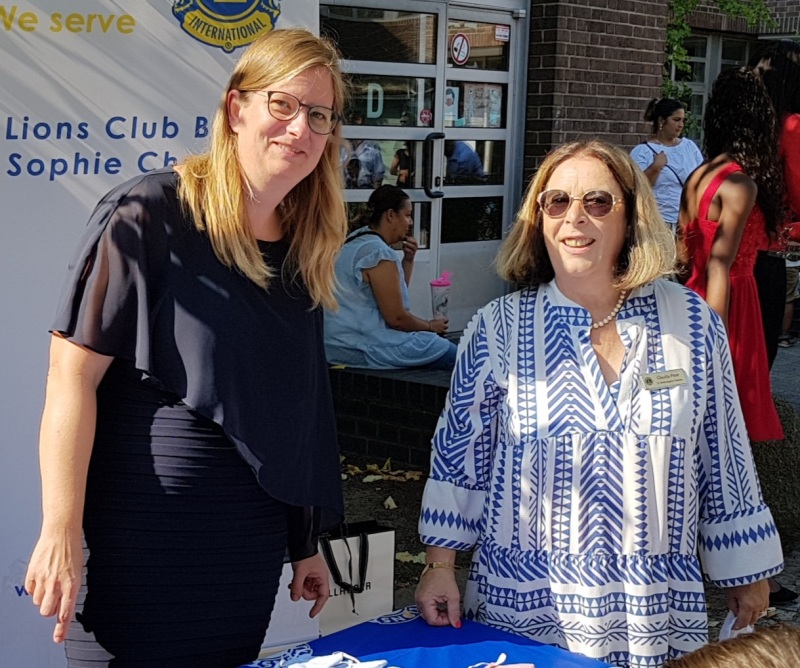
(432, 90)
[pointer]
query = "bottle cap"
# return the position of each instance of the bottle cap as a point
(443, 280)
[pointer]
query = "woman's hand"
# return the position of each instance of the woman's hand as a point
(748, 602)
(410, 247)
(311, 582)
(439, 325)
(660, 160)
(438, 598)
(54, 577)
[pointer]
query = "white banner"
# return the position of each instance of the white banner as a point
(93, 92)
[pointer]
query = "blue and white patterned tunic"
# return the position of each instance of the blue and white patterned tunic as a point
(593, 509)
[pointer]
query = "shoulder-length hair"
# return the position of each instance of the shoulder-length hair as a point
(213, 187)
(739, 120)
(648, 252)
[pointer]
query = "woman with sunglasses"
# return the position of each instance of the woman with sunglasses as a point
(592, 452)
(188, 434)
(730, 207)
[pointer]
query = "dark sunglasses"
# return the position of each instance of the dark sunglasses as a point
(597, 203)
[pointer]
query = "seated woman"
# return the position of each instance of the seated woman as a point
(373, 327)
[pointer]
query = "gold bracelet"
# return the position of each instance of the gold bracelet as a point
(430, 327)
(437, 564)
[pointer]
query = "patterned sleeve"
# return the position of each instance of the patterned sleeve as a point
(463, 444)
(739, 542)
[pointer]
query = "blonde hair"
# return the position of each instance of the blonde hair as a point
(213, 187)
(770, 647)
(648, 252)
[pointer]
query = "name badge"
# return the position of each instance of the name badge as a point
(664, 379)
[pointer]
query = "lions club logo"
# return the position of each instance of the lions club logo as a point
(227, 24)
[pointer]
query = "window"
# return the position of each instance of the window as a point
(708, 55)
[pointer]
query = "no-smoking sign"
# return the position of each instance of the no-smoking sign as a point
(459, 48)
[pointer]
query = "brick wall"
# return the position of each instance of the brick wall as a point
(385, 414)
(594, 65)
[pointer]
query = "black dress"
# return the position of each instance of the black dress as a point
(215, 444)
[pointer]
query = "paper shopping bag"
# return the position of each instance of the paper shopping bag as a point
(360, 557)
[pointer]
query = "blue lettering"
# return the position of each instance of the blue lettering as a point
(15, 170)
(21, 591)
(58, 167)
(201, 127)
(43, 130)
(36, 167)
(147, 155)
(142, 158)
(79, 165)
(141, 129)
(109, 125)
(170, 130)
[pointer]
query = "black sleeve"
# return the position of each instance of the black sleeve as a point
(106, 301)
(304, 530)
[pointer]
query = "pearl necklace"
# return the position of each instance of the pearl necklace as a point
(613, 314)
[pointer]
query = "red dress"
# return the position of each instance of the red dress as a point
(745, 332)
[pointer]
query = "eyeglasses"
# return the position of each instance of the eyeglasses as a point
(285, 107)
(597, 203)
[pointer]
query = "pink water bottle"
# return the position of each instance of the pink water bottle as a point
(440, 294)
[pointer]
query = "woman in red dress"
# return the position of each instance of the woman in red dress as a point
(731, 205)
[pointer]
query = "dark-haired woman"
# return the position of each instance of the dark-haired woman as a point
(373, 327)
(666, 158)
(730, 206)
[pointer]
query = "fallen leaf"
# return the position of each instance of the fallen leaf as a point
(373, 467)
(389, 504)
(344, 476)
(413, 475)
(371, 478)
(388, 465)
(352, 469)
(408, 558)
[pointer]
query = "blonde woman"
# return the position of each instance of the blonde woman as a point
(592, 443)
(188, 435)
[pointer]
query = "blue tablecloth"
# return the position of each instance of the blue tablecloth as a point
(405, 640)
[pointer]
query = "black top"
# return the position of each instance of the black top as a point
(146, 286)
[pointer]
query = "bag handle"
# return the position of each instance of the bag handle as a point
(363, 556)
(668, 166)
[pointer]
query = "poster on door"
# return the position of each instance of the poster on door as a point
(483, 105)
(94, 93)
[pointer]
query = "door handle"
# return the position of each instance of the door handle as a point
(427, 165)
